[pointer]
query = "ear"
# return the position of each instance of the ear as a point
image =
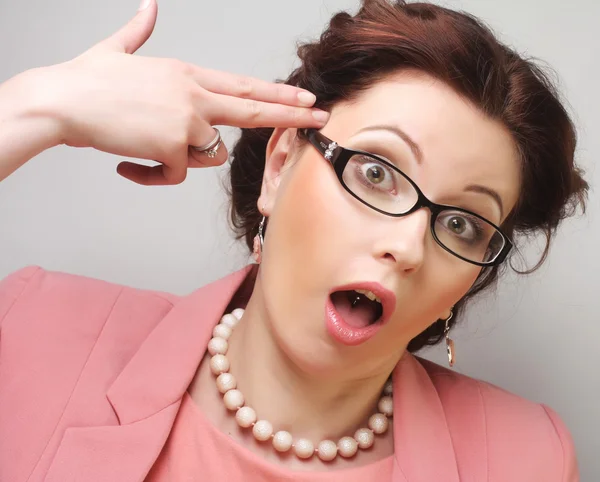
(278, 155)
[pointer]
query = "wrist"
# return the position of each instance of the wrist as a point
(39, 105)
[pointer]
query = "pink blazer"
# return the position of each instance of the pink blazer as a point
(92, 375)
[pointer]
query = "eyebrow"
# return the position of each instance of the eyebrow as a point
(489, 192)
(418, 153)
(414, 147)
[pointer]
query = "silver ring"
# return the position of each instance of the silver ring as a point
(212, 148)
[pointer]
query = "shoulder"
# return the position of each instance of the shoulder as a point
(64, 339)
(35, 296)
(483, 417)
(12, 286)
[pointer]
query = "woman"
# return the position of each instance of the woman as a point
(372, 219)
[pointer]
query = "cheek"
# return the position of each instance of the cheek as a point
(452, 283)
(301, 255)
(310, 218)
(442, 283)
(306, 245)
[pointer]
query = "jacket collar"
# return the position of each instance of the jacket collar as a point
(147, 394)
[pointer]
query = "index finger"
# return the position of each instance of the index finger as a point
(249, 113)
(246, 87)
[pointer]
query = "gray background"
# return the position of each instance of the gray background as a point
(67, 210)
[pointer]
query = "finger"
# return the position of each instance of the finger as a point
(135, 34)
(248, 113)
(250, 88)
(160, 175)
(202, 134)
(198, 159)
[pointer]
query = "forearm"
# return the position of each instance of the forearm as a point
(26, 126)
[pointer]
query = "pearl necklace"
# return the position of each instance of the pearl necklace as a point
(262, 430)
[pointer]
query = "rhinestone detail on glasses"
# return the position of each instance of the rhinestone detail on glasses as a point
(329, 152)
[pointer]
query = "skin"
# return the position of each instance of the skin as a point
(291, 371)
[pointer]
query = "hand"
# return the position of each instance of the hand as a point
(155, 109)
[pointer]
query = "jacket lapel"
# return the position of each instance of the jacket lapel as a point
(112, 453)
(147, 393)
(422, 444)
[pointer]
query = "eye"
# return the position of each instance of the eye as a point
(462, 226)
(457, 225)
(374, 174)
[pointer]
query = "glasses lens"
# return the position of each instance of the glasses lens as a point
(379, 184)
(468, 236)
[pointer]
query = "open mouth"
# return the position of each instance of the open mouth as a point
(359, 308)
(354, 313)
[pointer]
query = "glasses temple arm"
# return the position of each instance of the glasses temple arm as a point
(328, 148)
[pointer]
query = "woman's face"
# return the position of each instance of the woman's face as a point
(320, 238)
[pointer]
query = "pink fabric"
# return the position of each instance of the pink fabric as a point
(195, 446)
(92, 378)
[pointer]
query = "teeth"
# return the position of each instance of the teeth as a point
(369, 294)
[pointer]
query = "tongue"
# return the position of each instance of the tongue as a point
(358, 316)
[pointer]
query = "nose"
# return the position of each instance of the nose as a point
(403, 240)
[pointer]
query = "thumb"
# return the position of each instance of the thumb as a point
(135, 34)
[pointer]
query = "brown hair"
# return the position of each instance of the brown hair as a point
(355, 52)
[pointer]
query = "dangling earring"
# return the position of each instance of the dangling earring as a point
(450, 341)
(259, 241)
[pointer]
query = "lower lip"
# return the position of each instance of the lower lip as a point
(343, 332)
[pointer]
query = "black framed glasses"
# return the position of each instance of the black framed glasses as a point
(382, 186)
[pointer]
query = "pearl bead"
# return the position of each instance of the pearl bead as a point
(233, 399)
(238, 313)
(230, 320)
(304, 448)
(388, 389)
(222, 331)
(386, 405)
(245, 417)
(219, 364)
(282, 441)
(262, 430)
(217, 346)
(327, 450)
(347, 447)
(226, 382)
(378, 422)
(364, 437)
